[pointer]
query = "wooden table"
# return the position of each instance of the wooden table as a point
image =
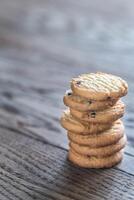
(43, 44)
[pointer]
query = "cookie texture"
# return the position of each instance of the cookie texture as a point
(100, 151)
(94, 129)
(111, 114)
(93, 162)
(83, 104)
(71, 124)
(99, 86)
(105, 138)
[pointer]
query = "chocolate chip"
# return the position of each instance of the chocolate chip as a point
(78, 82)
(89, 101)
(69, 93)
(93, 114)
(108, 98)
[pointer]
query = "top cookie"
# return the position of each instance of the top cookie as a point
(99, 86)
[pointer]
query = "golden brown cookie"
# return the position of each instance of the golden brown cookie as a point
(100, 151)
(105, 138)
(99, 86)
(93, 162)
(83, 104)
(109, 115)
(71, 124)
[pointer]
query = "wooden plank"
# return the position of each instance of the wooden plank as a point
(32, 169)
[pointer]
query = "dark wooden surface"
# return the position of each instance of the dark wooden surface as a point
(43, 44)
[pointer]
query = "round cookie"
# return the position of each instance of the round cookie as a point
(109, 115)
(99, 86)
(93, 162)
(100, 151)
(105, 138)
(71, 124)
(83, 104)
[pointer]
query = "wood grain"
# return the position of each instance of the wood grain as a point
(33, 169)
(43, 44)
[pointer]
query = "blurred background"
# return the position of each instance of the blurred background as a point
(44, 43)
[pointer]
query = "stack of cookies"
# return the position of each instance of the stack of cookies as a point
(95, 130)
